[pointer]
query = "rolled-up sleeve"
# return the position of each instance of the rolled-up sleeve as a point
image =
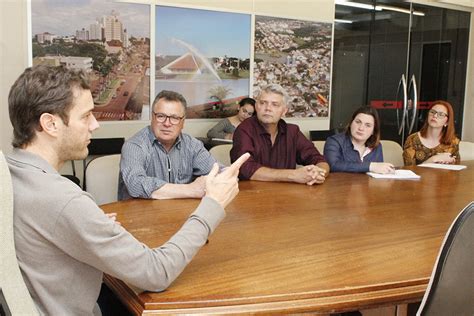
(307, 153)
(133, 172)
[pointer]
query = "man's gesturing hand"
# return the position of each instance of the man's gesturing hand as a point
(223, 187)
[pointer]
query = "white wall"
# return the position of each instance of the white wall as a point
(14, 48)
(14, 58)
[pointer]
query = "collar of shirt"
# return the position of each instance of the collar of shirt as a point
(349, 143)
(28, 158)
(282, 127)
(366, 152)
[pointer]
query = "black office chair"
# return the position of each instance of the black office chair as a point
(451, 287)
(101, 147)
(73, 176)
(4, 310)
(105, 146)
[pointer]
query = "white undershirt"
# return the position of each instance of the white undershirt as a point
(366, 152)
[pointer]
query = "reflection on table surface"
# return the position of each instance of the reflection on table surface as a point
(350, 243)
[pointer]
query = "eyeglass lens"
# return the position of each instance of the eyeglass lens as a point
(439, 114)
(160, 117)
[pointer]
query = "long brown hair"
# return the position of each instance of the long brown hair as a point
(374, 139)
(448, 134)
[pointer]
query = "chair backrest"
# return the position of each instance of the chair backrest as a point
(101, 147)
(392, 152)
(319, 144)
(102, 174)
(15, 292)
(321, 135)
(466, 150)
(105, 146)
(451, 287)
(222, 153)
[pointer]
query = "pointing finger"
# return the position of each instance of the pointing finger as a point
(234, 168)
(214, 170)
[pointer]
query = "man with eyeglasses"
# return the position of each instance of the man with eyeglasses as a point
(63, 240)
(161, 162)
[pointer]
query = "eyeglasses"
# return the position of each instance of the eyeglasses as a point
(438, 114)
(161, 118)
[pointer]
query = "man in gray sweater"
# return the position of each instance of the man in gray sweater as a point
(64, 241)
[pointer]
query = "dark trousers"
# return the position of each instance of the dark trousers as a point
(109, 304)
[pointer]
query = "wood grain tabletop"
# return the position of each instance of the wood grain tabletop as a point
(353, 242)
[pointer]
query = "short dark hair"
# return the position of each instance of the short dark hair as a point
(245, 101)
(41, 89)
(374, 139)
(170, 96)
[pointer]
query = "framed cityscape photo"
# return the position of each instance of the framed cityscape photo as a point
(205, 56)
(297, 55)
(109, 40)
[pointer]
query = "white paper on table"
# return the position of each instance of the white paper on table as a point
(401, 174)
(443, 166)
(222, 140)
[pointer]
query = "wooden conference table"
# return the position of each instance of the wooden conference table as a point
(351, 243)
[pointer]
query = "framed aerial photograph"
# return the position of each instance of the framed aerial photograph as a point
(109, 40)
(205, 56)
(297, 55)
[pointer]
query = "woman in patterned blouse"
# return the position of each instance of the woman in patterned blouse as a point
(436, 141)
(225, 128)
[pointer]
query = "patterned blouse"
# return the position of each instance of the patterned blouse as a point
(415, 153)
